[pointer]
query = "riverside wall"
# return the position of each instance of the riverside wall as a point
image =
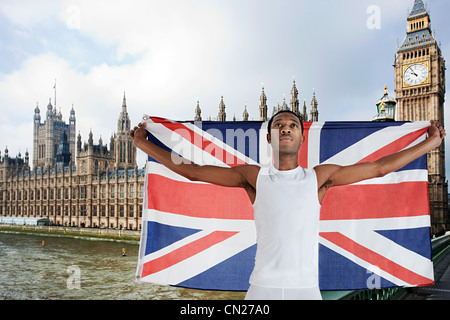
(75, 231)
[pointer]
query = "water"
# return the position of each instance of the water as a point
(69, 268)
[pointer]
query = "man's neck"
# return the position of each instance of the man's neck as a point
(284, 163)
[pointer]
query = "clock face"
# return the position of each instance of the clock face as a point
(416, 74)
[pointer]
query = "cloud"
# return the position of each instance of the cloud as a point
(175, 60)
(26, 13)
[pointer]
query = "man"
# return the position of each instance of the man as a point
(286, 200)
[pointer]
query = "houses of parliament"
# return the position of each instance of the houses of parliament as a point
(89, 185)
(104, 189)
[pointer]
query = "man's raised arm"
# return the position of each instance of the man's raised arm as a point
(332, 175)
(227, 177)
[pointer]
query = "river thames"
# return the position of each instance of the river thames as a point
(67, 268)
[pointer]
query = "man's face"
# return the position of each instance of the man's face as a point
(286, 136)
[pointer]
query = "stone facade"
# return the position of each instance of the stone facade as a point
(420, 94)
(105, 189)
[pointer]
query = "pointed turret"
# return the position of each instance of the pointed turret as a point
(245, 114)
(305, 112)
(49, 108)
(314, 110)
(284, 106)
(263, 106)
(418, 34)
(198, 112)
(419, 8)
(72, 115)
(123, 124)
(123, 148)
(222, 114)
(37, 114)
(294, 100)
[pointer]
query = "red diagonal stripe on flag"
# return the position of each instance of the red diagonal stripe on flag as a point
(395, 146)
(303, 152)
(375, 201)
(375, 259)
(189, 250)
(216, 203)
(199, 141)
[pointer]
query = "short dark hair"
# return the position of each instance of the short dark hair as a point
(284, 111)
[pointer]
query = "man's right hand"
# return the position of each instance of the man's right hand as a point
(139, 134)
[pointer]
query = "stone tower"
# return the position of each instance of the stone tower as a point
(198, 112)
(263, 106)
(222, 114)
(314, 110)
(124, 149)
(420, 93)
(48, 135)
(295, 104)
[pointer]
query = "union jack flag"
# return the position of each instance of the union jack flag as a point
(372, 234)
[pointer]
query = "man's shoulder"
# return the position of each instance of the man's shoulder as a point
(249, 169)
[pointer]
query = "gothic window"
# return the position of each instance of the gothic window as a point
(131, 191)
(122, 152)
(130, 148)
(131, 211)
(83, 210)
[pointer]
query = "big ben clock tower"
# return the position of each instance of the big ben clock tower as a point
(420, 93)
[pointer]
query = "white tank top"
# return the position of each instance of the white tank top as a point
(287, 212)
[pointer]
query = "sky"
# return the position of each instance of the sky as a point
(167, 55)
